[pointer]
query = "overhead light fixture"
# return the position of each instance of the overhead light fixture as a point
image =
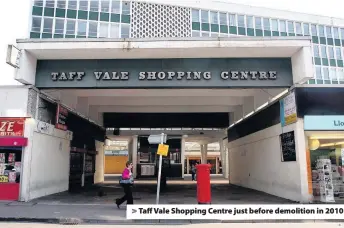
(331, 144)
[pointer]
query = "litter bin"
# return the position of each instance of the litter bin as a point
(203, 184)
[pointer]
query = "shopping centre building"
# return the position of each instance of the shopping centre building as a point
(253, 91)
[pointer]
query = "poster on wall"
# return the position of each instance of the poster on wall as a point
(288, 109)
(2, 169)
(61, 118)
(12, 126)
(325, 180)
(288, 146)
(2, 157)
(11, 158)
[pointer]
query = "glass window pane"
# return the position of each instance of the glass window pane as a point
(274, 24)
(195, 34)
(213, 18)
(82, 25)
(103, 30)
(318, 72)
(38, 3)
(195, 15)
(340, 74)
(36, 24)
(83, 5)
(249, 22)
(94, 5)
(126, 8)
(59, 26)
(204, 16)
(105, 6)
(333, 74)
(125, 30)
(241, 21)
(115, 6)
(314, 30)
(316, 51)
(92, 29)
(298, 28)
(326, 73)
(342, 33)
(70, 28)
(48, 25)
(266, 23)
(258, 22)
(283, 26)
(61, 4)
(291, 27)
(338, 53)
(330, 52)
(50, 3)
(72, 4)
(329, 32)
(223, 19)
(306, 29)
(232, 20)
(335, 33)
(114, 31)
(321, 31)
(323, 51)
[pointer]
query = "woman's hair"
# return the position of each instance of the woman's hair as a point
(128, 163)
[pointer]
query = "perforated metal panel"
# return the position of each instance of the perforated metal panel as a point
(155, 20)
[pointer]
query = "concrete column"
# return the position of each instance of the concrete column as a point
(223, 155)
(225, 163)
(238, 113)
(217, 165)
(100, 163)
(248, 105)
(24, 192)
(204, 151)
(134, 155)
(187, 165)
(183, 154)
(82, 105)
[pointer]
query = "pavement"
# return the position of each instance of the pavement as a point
(239, 225)
(90, 207)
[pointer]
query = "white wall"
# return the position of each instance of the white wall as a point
(46, 161)
(100, 159)
(255, 162)
(14, 101)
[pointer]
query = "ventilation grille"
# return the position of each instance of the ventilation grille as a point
(159, 21)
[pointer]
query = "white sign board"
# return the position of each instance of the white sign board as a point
(156, 139)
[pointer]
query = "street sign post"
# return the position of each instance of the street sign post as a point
(162, 151)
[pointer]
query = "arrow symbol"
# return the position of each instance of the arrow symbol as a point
(133, 211)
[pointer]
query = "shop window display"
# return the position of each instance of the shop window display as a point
(327, 169)
(10, 165)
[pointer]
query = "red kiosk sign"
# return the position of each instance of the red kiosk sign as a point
(12, 127)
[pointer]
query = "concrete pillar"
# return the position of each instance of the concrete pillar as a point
(183, 154)
(204, 151)
(248, 105)
(100, 163)
(217, 165)
(238, 113)
(82, 105)
(134, 155)
(223, 157)
(187, 165)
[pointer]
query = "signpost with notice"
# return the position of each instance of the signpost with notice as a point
(162, 151)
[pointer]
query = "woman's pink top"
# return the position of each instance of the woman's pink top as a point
(126, 174)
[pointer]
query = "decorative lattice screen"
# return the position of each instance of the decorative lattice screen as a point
(155, 20)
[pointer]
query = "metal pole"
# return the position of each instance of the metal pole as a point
(159, 172)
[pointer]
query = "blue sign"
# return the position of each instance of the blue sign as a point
(324, 123)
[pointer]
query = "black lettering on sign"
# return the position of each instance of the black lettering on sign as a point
(288, 146)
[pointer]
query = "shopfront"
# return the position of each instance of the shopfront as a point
(12, 142)
(325, 135)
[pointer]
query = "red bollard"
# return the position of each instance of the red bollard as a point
(203, 184)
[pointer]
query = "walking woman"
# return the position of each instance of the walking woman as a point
(127, 182)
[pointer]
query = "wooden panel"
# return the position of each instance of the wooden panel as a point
(115, 164)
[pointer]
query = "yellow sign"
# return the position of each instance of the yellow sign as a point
(162, 150)
(290, 119)
(3, 179)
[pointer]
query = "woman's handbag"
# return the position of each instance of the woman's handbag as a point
(126, 181)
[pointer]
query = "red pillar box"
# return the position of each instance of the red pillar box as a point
(203, 184)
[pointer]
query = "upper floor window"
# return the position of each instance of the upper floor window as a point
(195, 16)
